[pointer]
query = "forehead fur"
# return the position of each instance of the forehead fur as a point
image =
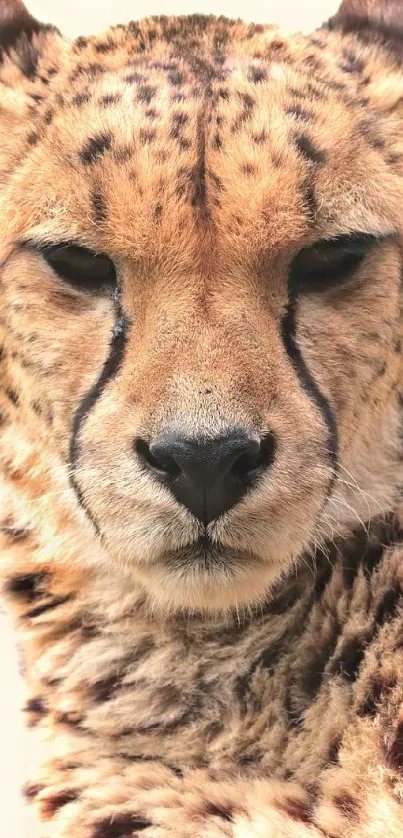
(240, 124)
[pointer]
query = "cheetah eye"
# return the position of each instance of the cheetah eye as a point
(329, 262)
(81, 268)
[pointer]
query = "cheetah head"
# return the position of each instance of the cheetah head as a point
(200, 286)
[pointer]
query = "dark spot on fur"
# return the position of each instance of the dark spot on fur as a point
(81, 42)
(307, 149)
(260, 137)
(35, 705)
(368, 128)
(169, 698)
(175, 78)
(104, 46)
(257, 74)
(377, 143)
(372, 558)
(94, 69)
(105, 689)
(212, 730)
(334, 749)
(347, 804)
(109, 99)
(387, 607)
(218, 810)
(266, 660)
(146, 93)
(33, 138)
(313, 62)
(369, 706)
(248, 101)
(298, 94)
(216, 181)
(48, 116)
(124, 825)
(31, 790)
(217, 141)
(276, 44)
(95, 147)
(179, 120)
(13, 396)
(393, 747)
(246, 113)
(69, 719)
(349, 659)
(338, 86)
(134, 78)
(300, 113)
(316, 42)
(81, 99)
(51, 805)
(248, 169)
(147, 135)
(28, 586)
(254, 29)
(47, 606)
(365, 126)
(350, 63)
(36, 407)
(253, 758)
(298, 810)
(281, 603)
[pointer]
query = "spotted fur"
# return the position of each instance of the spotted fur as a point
(241, 679)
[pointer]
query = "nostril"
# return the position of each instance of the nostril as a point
(259, 456)
(156, 459)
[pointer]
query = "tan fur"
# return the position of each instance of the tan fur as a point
(256, 695)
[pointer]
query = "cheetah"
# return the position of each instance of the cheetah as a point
(201, 438)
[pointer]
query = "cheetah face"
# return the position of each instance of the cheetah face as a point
(201, 272)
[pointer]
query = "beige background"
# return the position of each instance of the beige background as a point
(79, 17)
(76, 17)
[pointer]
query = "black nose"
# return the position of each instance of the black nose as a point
(208, 476)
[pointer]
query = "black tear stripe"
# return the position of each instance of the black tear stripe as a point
(288, 329)
(110, 368)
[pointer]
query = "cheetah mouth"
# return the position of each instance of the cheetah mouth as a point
(208, 556)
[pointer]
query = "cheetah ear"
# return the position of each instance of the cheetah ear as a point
(384, 16)
(15, 20)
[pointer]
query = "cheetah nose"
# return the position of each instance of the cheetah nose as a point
(207, 475)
